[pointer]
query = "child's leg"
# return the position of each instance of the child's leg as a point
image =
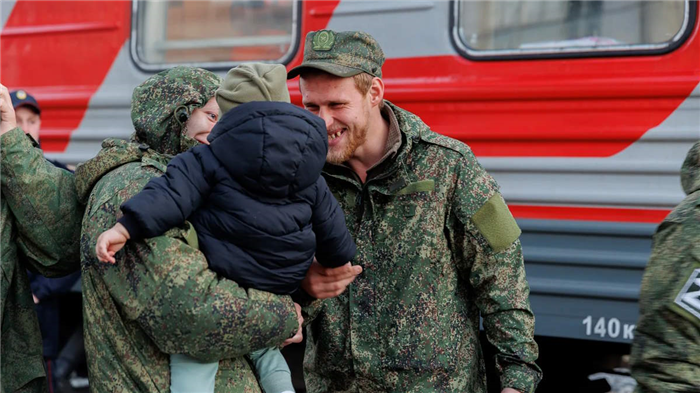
(189, 375)
(273, 372)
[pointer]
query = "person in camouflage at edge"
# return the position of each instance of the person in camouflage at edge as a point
(435, 238)
(40, 224)
(160, 298)
(666, 347)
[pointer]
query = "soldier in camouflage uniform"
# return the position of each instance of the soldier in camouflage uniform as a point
(39, 224)
(666, 346)
(160, 298)
(437, 243)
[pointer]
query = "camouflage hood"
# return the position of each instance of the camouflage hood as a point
(690, 172)
(158, 133)
(155, 102)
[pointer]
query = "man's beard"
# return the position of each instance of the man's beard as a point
(355, 139)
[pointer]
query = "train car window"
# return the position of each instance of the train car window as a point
(525, 28)
(213, 34)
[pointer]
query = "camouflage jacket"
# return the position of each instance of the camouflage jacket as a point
(439, 248)
(40, 220)
(666, 347)
(160, 298)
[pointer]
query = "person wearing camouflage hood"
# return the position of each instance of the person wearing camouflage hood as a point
(437, 243)
(40, 226)
(666, 347)
(160, 298)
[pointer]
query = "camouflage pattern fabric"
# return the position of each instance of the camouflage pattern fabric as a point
(156, 100)
(341, 53)
(114, 153)
(666, 346)
(160, 297)
(410, 321)
(40, 223)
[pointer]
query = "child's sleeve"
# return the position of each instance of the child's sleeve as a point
(272, 370)
(334, 245)
(167, 201)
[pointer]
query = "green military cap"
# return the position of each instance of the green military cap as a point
(341, 53)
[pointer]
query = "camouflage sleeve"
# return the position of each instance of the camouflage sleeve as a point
(310, 306)
(666, 347)
(165, 285)
(488, 253)
(44, 202)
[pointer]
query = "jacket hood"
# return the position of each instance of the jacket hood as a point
(690, 172)
(272, 149)
(114, 153)
(156, 100)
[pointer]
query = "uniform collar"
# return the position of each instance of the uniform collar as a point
(393, 142)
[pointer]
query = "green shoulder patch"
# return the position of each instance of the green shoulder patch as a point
(496, 224)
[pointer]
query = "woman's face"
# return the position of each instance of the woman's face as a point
(202, 120)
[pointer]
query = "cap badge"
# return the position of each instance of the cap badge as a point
(21, 94)
(323, 40)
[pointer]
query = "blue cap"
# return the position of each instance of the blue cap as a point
(21, 98)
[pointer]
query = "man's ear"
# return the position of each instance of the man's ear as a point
(376, 92)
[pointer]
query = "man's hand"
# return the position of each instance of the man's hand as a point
(510, 390)
(323, 282)
(299, 336)
(7, 112)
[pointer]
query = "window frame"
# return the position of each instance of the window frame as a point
(687, 28)
(212, 65)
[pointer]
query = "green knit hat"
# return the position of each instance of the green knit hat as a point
(252, 82)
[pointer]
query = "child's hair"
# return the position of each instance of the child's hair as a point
(252, 82)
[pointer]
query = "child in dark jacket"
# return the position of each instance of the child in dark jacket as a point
(255, 196)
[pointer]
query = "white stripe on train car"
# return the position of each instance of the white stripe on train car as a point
(5, 11)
